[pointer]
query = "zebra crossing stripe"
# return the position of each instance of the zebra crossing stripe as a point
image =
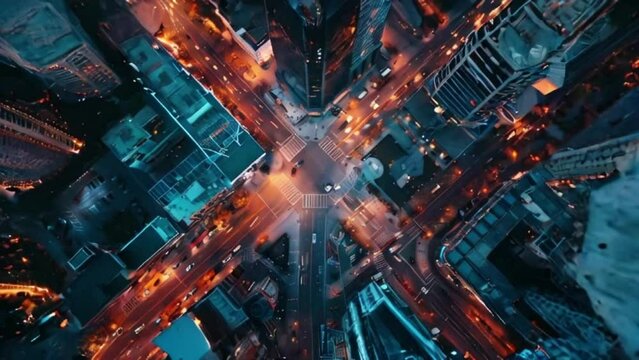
(331, 149)
(291, 147)
(316, 201)
(290, 192)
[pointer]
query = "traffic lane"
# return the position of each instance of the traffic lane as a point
(472, 166)
(146, 315)
(407, 283)
(306, 337)
(482, 319)
(143, 340)
(248, 96)
(458, 309)
(311, 294)
(318, 304)
(420, 65)
(253, 118)
(182, 284)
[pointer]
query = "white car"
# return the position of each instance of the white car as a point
(138, 329)
(191, 265)
(228, 258)
(328, 187)
(236, 249)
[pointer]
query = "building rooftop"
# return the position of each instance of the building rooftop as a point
(421, 108)
(147, 242)
(249, 15)
(232, 314)
(453, 139)
(526, 40)
(221, 148)
(527, 211)
(103, 278)
(50, 36)
(132, 134)
(185, 340)
(80, 258)
(380, 325)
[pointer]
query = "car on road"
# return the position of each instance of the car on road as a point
(328, 187)
(189, 294)
(394, 248)
(119, 331)
(191, 265)
(362, 94)
(236, 249)
(139, 329)
(158, 321)
(227, 259)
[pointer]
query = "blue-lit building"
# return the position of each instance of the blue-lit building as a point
(186, 340)
(320, 46)
(186, 142)
(379, 325)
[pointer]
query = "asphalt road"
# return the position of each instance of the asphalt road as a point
(313, 237)
(132, 309)
(259, 118)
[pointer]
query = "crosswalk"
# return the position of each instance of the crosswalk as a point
(429, 280)
(131, 304)
(331, 149)
(288, 189)
(380, 262)
(316, 201)
(292, 146)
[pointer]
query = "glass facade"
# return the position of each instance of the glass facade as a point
(320, 46)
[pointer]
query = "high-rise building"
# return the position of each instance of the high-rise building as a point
(30, 149)
(45, 39)
(320, 46)
(523, 46)
(379, 325)
(601, 159)
(603, 266)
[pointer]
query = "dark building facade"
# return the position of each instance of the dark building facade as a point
(31, 148)
(321, 46)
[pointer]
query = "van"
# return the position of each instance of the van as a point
(362, 94)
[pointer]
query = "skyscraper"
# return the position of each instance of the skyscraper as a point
(522, 46)
(379, 325)
(320, 46)
(43, 38)
(30, 148)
